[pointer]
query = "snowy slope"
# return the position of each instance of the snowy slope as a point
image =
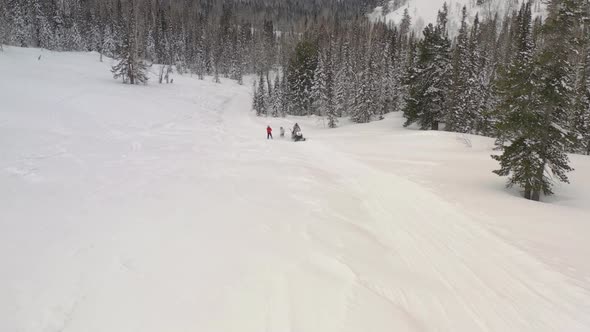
(425, 11)
(163, 208)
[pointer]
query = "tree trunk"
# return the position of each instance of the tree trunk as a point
(536, 195)
(588, 148)
(539, 179)
(527, 191)
(268, 82)
(434, 125)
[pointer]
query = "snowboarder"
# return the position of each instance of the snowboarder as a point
(268, 132)
(282, 132)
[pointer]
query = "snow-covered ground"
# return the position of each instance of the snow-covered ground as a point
(424, 12)
(164, 208)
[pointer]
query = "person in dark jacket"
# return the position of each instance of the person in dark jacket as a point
(268, 132)
(296, 133)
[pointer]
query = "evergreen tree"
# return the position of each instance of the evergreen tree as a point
(319, 82)
(389, 87)
(405, 25)
(260, 97)
(340, 93)
(20, 28)
(343, 82)
(430, 78)
(42, 27)
(581, 110)
(536, 92)
(465, 110)
(277, 98)
(364, 105)
(3, 25)
(323, 86)
(216, 74)
(300, 76)
(130, 68)
(516, 109)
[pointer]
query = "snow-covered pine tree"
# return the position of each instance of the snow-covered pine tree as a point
(73, 31)
(364, 105)
(130, 68)
(327, 91)
(518, 102)
(405, 68)
(20, 29)
(535, 91)
(555, 92)
(340, 92)
(75, 38)
(343, 81)
(276, 98)
(405, 25)
(300, 76)
(323, 87)
(255, 98)
(216, 74)
(200, 65)
(459, 118)
(389, 81)
(430, 78)
(465, 103)
(581, 118)
(284, 88)
(580, 121)
(319, 81)
(260, 97)
(483, 44)
(238, 59)
(42, 26)
(3, 27)
(108, 42)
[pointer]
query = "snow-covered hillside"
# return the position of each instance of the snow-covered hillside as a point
(164, 208)
(423, 12)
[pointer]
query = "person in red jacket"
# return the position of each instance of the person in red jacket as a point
(268, 132)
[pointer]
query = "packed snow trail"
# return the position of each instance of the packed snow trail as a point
(164, 208)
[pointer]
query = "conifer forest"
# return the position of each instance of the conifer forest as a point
(522, 79)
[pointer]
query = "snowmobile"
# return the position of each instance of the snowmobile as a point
(297, 136)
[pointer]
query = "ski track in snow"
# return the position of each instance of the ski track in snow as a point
(164, 208)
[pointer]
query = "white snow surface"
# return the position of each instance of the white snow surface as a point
(424, 12)
(164, 208)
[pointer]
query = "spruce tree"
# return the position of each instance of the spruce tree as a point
(300, 73)
(277, 98)
(260, 97)
(319, 82)
(364, 104)
(517, 109)
(343, 82)
(466, 96)
(323, 88)
(3, 26)
(459, 118)
(20, 28)
(580, 121)
(535, 93)
(130, 68)
(430, 78)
